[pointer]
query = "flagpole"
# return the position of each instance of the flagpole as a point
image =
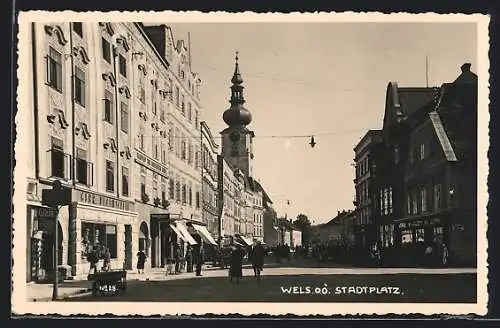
(426, 71)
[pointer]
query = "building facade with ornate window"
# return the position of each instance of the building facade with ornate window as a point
(80, 104)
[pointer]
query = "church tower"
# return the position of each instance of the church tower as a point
(237, 138)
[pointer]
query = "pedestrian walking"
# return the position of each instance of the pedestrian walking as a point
(257, 259)
(236, 263)
(198, 258)
(107, 260)
(141, 260)
(189, 259)
(93, 258)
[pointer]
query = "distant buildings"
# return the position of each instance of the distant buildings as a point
(339, 230)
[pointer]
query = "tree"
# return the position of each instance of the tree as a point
(304, 225)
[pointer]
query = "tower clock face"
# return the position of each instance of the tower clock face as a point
(234, 136)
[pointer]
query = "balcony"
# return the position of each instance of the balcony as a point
(84, 172)
(59, 164)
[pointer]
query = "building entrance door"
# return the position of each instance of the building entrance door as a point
(128, 247)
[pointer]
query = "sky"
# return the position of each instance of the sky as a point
(323, 79)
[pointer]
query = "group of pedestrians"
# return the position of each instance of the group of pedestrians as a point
(192, 261)
(95, 255)
(256, 255)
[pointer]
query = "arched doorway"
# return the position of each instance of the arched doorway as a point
(144, 238)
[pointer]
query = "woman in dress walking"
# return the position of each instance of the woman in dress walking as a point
(141, 259)
(236, 265)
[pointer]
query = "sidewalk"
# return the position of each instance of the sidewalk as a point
(43, 292)
(80, 285)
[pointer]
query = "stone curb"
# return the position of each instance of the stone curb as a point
(61, 297)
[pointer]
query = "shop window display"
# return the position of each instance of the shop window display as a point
(98, 235)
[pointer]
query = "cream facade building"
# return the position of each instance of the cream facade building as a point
(115, 110)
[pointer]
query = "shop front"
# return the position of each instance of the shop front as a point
(100, 222)
(200, 232)
(41, 241)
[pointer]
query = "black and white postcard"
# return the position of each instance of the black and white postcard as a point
(244, 163)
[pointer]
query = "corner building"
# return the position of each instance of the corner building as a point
(80, 103)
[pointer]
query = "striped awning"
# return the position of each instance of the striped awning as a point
(183, 230)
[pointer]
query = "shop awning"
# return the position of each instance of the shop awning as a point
(179, 234)
(246, 240)
(204, 233)
(183, 230)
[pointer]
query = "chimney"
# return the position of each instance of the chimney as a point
(338, 212)
(465, 68)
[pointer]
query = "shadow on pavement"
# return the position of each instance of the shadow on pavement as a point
(403, 288)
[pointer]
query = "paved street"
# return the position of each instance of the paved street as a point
(301, 281)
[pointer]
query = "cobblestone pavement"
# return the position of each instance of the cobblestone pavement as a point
(285, 283)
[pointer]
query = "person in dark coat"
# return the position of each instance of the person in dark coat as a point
(198, 258)
(189, 259)
(177, 258)
(257, 258)
(141, 259)
(236, 263)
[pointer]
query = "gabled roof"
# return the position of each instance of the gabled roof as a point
(264, 193)
(403, 102)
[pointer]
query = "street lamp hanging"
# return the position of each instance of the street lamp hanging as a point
(312, 142)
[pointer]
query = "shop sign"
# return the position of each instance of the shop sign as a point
(102, 200)
(45, 212)
(151, 164)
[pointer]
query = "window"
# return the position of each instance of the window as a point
(178, 191)
(123, 65)
(98, 235)
(54, 69)
(390, 200)
(183, 109)
(190, 196)
(437, 197)
(197, 199)
(81, 166)
(177, 96)
(408, 204)
(124, 181)
(184, 194)
(163, 154)
(183, 149)
(110, 176)
(78, 28)
(108, 106)
(106, 50)
(422, 151)
(153, 100)
(57, 158)
(196, 118)
(124, 117)
(156, 152)
(163, 193)
(143, 186)
(190, 112)
(171, 190)
(155, 189)
(406, 237)
(423, 199)
(414, 203)
(141, 141)
(80, 86)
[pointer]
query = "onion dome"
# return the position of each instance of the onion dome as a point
(237, 115)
